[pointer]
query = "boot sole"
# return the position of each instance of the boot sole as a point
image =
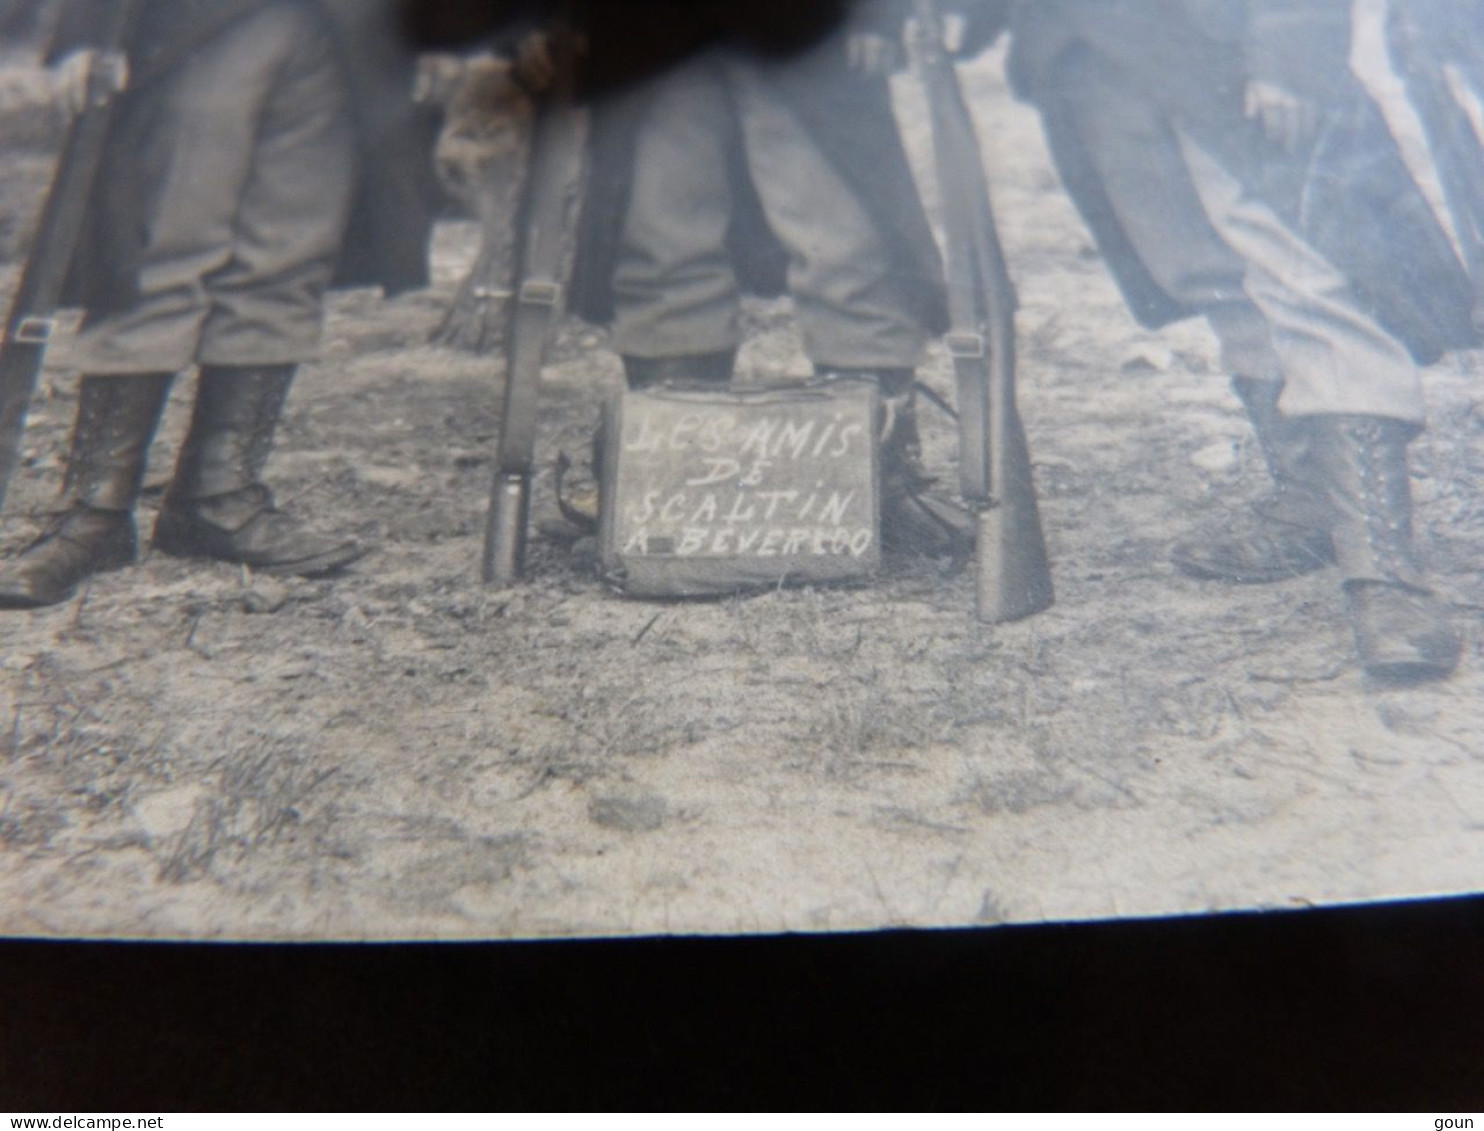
(17, 600)
(178, 538)
(316, 566)
(1402, 638)
(1412, 661)
(21, 601)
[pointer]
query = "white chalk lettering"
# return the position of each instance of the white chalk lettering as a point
(795, 438)
(682, 430)
(718, 470)
(759, 437)
(771, 499)
(754, 477)
(706, 512)
(711, 483)
(738, 514)
(648, 440)
(824, 437)
(763, 542)
(674, 508)
(715, 432)
(646, 509)
(842, 442)
(834, 509)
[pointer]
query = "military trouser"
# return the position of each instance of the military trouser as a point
(675, 289)
(234, 173)
(1279, 308)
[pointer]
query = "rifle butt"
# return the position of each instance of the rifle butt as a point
(505, 531)
(1014, 573)
(1013, 578)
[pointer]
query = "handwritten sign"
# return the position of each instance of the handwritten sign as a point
(710, 492)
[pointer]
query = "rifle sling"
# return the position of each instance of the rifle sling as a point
(28, 322)
(964, 197)
(550, 198)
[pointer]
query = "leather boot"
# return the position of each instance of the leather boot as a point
(698, 369)
(116, 421)
(1286, 532)
(1402, 631)
(217, 506)
(914, 518)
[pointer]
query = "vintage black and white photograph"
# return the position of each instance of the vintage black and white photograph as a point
(584, 470)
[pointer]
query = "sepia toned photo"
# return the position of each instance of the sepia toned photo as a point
(584, 470)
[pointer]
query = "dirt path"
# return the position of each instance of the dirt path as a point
(188, 750)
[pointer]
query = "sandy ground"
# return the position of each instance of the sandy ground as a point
(188, 750)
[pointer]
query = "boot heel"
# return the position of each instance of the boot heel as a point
(1402, 635)
(80, 544)
(1402, 631)
(116, 421)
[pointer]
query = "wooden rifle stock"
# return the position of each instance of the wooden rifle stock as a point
(31, 320)
(550, 199)
(1014, 578)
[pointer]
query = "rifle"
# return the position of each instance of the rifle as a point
(1013, 577)
(1456, 149)
(31, 321)
(553, 183)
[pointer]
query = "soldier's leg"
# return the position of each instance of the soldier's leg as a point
(186, 151)
(1131, 144)
(675, 293)
(1356, 392)
(183, 154)
(676, 315)
(848, 302)
(846, 290)
(266, 303)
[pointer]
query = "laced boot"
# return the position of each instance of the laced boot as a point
(915, 519)
(578, 495)
(217, 506)
(1286, 532)
(1402, 631)
(94, 532)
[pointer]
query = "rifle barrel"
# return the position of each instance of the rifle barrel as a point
(543, 222)
(28, 323)
(1013, 574)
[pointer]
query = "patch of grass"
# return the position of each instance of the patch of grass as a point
(261, 798)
